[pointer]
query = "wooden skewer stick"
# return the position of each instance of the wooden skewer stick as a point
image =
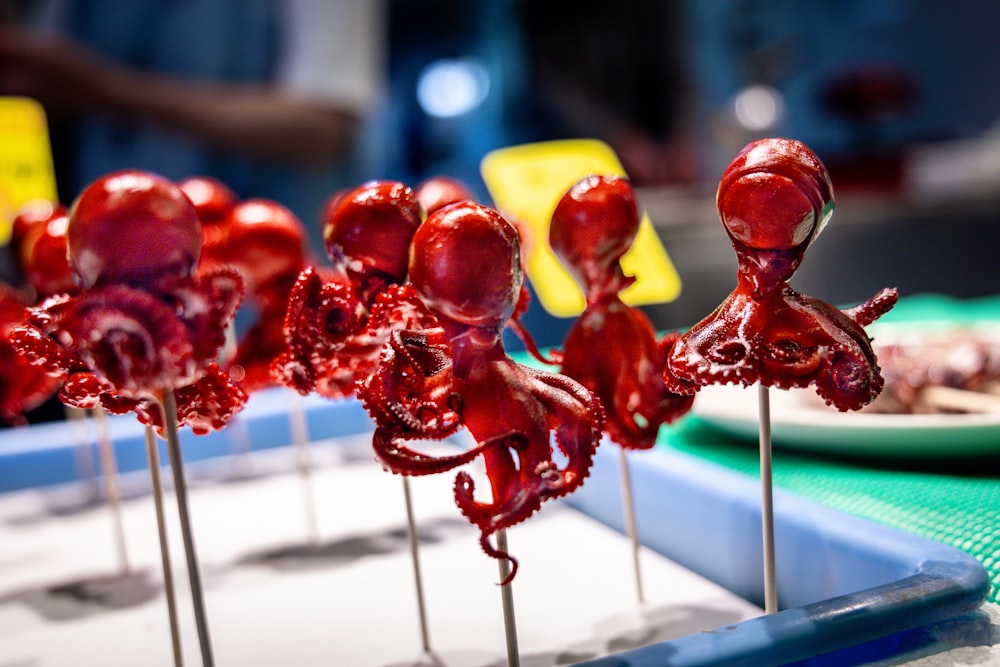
(83, 454)
(628, 506)
(153, 456)
(237, 433)
(300, 436)
(507, 599)
(414, 537)
(112, 490)
(767, 505)
(169, 404)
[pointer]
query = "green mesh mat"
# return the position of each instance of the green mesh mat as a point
(955, 502)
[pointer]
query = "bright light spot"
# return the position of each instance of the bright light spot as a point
(758, 107)
(449, 88)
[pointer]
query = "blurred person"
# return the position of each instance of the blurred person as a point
(614, 71)
(269, 97)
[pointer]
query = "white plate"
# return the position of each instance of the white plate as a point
(800, 420)
(797, 421)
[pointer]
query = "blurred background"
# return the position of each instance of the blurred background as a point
(900, 98)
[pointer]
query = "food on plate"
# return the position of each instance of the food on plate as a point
(942, 372)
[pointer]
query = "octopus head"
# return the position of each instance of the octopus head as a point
(465, 264)
(776, 195)
(592, 226)
(368, 230)
(132, 227)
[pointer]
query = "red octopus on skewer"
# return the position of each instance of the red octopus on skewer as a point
(40, 244)
(23, 386)
(38, 240)
(142, 322)
(774, 200)
(267, 244)
(213, 200)
(465, 267)
(338, 318)
(612, 348)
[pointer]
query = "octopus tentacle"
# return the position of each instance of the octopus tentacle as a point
(395, 457)
(868, 311)
(849, 380)
(465, 498)
(578, 419)
(131, 338)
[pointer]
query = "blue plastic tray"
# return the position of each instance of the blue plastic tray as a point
(850, 590)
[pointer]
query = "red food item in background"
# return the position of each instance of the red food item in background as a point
(368, 234)
(213, 200)
(132, 226)
(266, 244)
(612, 348)
(440, 191)
(29, 218)
(43, 255)
(23, 385)
(774, 199)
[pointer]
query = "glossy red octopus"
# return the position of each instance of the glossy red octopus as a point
(142, 323)
(23, 386)
(612, 348)
(774, 200)
(213, 200)
(440, 191)
(465, 267)
(267, 244)
(40, 244)
(338, 318)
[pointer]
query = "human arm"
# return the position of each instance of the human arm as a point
(260, 120)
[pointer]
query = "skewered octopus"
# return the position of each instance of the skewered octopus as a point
(465, 267)
(774, 200)
(142, 323)
(612, 348)
(23, 387)
(40, 244)
(266, 243)
(338, 319)
(213, 200)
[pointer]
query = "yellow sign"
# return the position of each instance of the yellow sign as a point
(26, 170)
(527, 181)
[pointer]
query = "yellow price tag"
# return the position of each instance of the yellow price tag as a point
(527, 181)
(26, 170)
